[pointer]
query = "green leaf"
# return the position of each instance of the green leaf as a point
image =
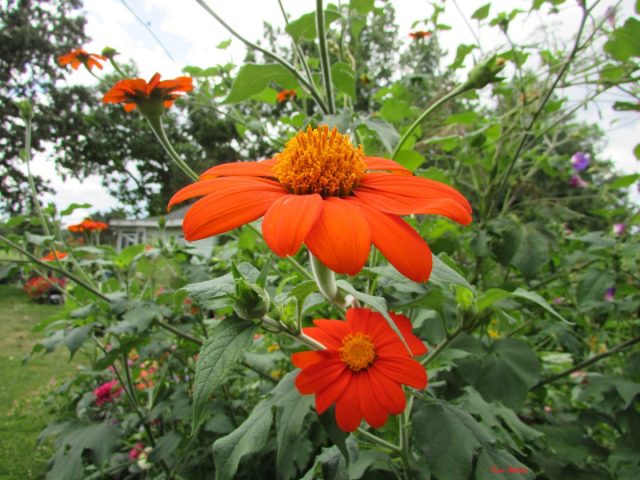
(494, 295)
(387, 134)
(525, 247)
(212, 293)
(128, 255)
(136, 320)
(361, 6)
(224, 44)
(305, 26)
(249, 438)
(253, 79)
(461, 53)
(38, 239)
(409, 159)
(165, 446)
(505, 373)
(394, 110)
(337, 436)
(344, 79)
(482, 12)
(448, 437)
(592, 286)
(624, 42)
(495, 464)
(73, 207)
(443, 275)
(463, 118)
(75, 337)
(636, 151)
(219, 354)
(625, 181)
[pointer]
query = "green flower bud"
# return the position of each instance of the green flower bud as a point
(251, 301)
(485, 73)
(26, 110)
(109, 52)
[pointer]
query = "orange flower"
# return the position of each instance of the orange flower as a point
(79, 57)
(52, 256)
(362, 369)
(325, 193)
(77, 228)
(284, 95)
(419, 34)
(156, 94)
(90, 225)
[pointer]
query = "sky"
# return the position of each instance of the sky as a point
(186, 35)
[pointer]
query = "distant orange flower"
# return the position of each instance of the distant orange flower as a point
(362, 369)
(52, 256)
(420, 34)
(324, 192)
(87, 225)
(137, 92)
(79, 57)
(284, 95)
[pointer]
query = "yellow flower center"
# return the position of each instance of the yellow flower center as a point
(320, 161)
(357, 351)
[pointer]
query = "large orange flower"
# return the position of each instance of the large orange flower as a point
(362, 369)
(79, 57)
(323, 192)
(136, 92)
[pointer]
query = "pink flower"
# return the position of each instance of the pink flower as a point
(577, 182)
(135, 452)
(107, 392)
(619, 229)
(610, 294)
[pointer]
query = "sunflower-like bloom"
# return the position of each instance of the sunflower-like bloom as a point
(324, 192)
(362, 369)
(79, 57)
(284, 95)
(419, 34)
(154, 96)
(52, 256)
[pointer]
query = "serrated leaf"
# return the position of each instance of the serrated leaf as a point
(212, 293)
(253, 79)
(500, 464)
(218, 355)
(448, 437)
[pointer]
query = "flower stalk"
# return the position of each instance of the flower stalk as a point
(155, 122)
(326, 281)
(324, 56)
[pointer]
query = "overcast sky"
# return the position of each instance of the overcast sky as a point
(190, 35)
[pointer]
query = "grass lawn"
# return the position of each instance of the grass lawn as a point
(23, 413)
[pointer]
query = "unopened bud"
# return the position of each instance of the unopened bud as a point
(26, 110)
(485, 73)
(109, 52)
(251, 301)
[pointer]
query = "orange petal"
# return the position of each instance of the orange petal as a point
(404, 205)
(406, 328)
(308, 358)
(129, 107)
(319, 376)
(403, 369)
(228, 208)
(384, 164)
(373, 411)
(388, 392)
(329, 395)
(245, 169)
(205, 187)
(288, 221)
(348, 413)
(398, 242)
(340, 238)
(328, 332)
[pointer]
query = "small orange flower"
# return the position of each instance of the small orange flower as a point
(52, 256)
(325, 193)
(137, 92)
(90, 225)
(362, 369)
(76, 228)
(419, 34)
(79, 57)
(284, 95)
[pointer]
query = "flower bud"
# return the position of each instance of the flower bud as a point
(251, 300)
(26, 110)
(485, 73)
(109, 52)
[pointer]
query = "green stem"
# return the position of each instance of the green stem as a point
(156, 126)
(453, 93)
(375, 439)
(441, 346)
(309, 87)
(404, 426)
(324, 56)
(326, 281)
(299, 54)
(301, 337)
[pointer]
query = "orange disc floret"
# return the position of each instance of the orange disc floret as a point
(284, 95)
(324, 192)
(78, 57)
(155, 95)
(362, 368)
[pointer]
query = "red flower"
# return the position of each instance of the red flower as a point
(52, 256)
(137, 92)
(419, 34)
(325, 193)
(79, 57)
(284, 95)
(107, 392)
(135, 452)
(362, 369)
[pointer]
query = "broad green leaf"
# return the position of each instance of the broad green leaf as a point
(219, 354)
(128, 255)
(505, 373)
(494, 295)
(212, 293)
(624, 42)
(361, 6)
(344, 78)
(461, 53)
(305, 26)
(482, 12)
(387, 134)
(443, 275)
(335, 434)
(249, 438)
(224, 44)
(73, 207)
(592, 286)
(409, 159)
(464, 118)
(525, 247)
(75, 337)
(448, 437)
(495, 464)
(136, 320)
(165, 446)
(537, 299)
(394, 110)
(624, 181)
(253, 79)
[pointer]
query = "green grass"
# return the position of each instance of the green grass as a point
(23, 413)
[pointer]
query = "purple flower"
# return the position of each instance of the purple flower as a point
(577, 182)
(580, 161)
(610, 294)
(619, 229)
